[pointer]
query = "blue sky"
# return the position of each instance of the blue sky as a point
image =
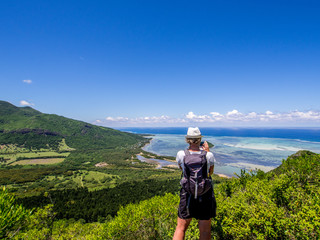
(164, 63)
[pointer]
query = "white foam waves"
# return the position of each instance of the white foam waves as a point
(251, 166)
(267, 147)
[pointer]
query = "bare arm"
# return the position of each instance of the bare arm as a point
(206, 148)
(211, 170)
(179, 159)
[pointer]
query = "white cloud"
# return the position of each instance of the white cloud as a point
(198, 118)
(233, 118)
(190, 115)
(138, 121)
(269, 112)
(310, 115)
(25, 103)
(252, 115)
(117, 119)
(28, 81)
(233, 113)
(153, 119)
(216, 116)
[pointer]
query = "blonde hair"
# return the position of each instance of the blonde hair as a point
(193, 140)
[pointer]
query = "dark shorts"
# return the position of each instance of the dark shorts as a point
(202, 208)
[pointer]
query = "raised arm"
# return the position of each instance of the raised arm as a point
(206, 148)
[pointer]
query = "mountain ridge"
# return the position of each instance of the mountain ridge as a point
(25, 122)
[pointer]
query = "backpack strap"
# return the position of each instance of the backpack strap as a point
(186, 152)
(204, 153)
(205, 156)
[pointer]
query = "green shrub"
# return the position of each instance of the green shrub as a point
(12, 216)
(41, 226)
(282, 204)
(155, 218)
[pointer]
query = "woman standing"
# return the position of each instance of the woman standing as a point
(196, 195)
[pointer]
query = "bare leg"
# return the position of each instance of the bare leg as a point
(205, 229)
(181, 229)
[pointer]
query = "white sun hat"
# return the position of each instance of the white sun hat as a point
(193, 132)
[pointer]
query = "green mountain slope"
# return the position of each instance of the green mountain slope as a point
(280, 204)
(7, 109)
(28, 127)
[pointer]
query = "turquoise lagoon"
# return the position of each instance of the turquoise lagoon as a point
(248, 149)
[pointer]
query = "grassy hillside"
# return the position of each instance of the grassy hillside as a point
(36, 148)
(281, 204)
(27, 127)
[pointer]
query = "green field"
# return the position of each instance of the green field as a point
(18, 158)
(13, 148)
(92, 180)
(11, 154)
(39, 161)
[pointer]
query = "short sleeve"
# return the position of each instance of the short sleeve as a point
(210, 158)
(179, 158)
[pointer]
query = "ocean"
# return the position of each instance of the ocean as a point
(237, 148)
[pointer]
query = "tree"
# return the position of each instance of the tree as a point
(12, 215)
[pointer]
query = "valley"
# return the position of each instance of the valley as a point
(67, 179)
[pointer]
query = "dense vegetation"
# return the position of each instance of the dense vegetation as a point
(29, 134)
(12, 215)
(30, 128)
(97, 205)
(32, 180)
(129, 199)
(29, 138)
(18, 175)
(281, 204)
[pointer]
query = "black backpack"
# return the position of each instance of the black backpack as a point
(196, 179)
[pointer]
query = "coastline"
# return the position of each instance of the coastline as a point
(234, 153)
(222, 175)
(147, 143)
(155, 160)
